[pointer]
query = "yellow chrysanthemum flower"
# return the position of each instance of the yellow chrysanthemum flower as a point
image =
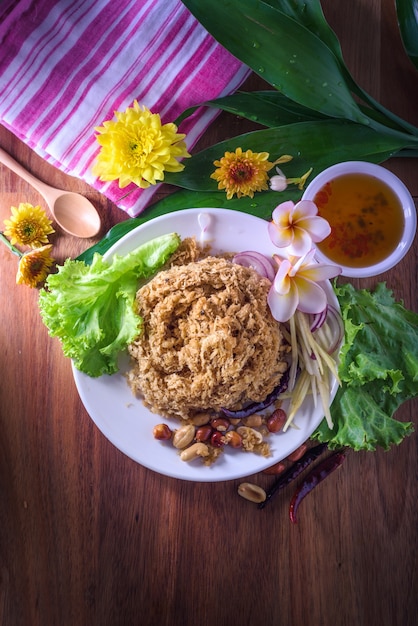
(28, 226)
(242, 173)
(137, 148)
(34, 266)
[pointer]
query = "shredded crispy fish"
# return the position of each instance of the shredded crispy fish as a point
(208, 338)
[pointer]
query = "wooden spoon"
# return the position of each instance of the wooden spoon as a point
(74, 213)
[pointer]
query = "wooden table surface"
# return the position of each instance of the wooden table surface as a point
(88, 537)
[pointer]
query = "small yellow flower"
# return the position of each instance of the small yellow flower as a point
(28, 226)
(242, 173)
(137, 148)
(34, 266)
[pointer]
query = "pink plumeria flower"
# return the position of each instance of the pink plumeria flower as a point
(296, 226)
(296, 286)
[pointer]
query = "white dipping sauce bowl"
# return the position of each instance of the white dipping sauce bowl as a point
(400, 190)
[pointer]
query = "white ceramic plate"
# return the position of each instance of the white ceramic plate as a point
(124, 420)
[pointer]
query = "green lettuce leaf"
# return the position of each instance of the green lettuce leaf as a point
(90, 308)
(378, 370)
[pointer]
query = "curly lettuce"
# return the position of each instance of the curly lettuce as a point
(378, 370)
(90, 308)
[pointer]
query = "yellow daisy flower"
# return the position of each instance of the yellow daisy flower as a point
(28, 226)
(137, 148)
(242, 173)
(34, 266)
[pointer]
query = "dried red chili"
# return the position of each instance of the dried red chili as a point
(315, 476)
(294, 471)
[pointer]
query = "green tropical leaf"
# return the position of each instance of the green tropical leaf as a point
(272, 108)
(310, 14)
(295, 67)
(316, 144)
(407, 12)
(268, 108)
(281, 50)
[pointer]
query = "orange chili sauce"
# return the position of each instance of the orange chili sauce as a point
(365, 216)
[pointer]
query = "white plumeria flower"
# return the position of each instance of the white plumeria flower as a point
(296, 226)
(296, 286)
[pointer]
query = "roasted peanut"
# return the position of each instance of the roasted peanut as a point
(162, 432)
(276, 421)
(249, 433)
(217, 439)
(251, 492)
(253, 421)
(194, 451)
(183, 436)
(220, 423)
(233, 439)
(200, 419)
(203, 433)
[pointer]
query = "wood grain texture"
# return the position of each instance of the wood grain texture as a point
(90, 538)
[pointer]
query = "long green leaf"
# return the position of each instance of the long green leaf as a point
(281, 50)
(407, 12)
(310, 14)
(268, 108)
(272, 108)
(316, 144)
(307, 14)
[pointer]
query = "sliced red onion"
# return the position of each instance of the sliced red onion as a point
(259, 262)
(331, 332)
(318, 319)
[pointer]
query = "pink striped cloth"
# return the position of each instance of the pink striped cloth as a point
(67, 65)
